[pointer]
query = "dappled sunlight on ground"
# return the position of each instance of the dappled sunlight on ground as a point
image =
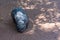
(58, 38)
(49, 26)
(48, 19)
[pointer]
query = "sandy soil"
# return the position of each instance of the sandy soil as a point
(44, 20)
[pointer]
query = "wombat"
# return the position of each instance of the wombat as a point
(20, 18)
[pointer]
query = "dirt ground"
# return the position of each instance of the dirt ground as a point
(44, 19)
